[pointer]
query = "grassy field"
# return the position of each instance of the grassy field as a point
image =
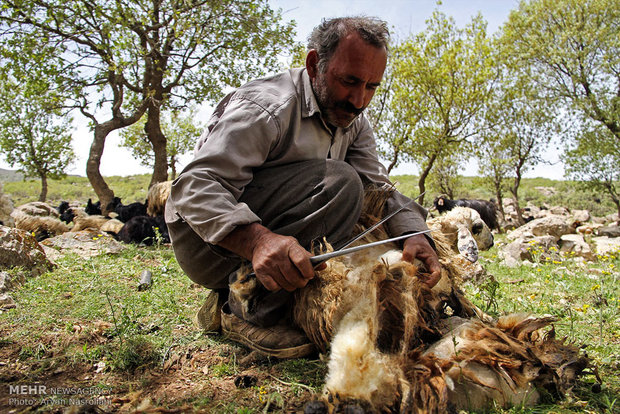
(86, 325)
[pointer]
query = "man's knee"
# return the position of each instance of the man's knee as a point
(344, 181)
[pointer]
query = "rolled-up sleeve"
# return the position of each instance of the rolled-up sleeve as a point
(206, 193)
(362, 155)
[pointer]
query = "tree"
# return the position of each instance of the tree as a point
(594, 160)
(572, 48)
(136, 57)
(438, 82)
(181, 135)
(519, 127)
(494, 165)
(33, 135)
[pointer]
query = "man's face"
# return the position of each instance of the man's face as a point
(348, 84)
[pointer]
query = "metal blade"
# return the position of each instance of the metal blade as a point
(380, 222)
(316, 260)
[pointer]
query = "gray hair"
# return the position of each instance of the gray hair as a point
(326, 36)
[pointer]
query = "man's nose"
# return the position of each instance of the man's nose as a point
(357, 97)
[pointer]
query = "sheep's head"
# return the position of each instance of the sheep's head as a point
(466, 229)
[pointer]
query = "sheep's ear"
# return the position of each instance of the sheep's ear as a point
(467, 245)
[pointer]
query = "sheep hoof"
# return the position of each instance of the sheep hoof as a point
(315, 407)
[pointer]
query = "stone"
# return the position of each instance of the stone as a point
(526, 249)
(609, 231)
(604, 245)
(6, 301)
(580, 216)
(575, 245)
(6, 207)
(552, 225)
(612, 218)
(546, 191)
(85, 243)
(559, 211)
(18, 248)
(10, 281)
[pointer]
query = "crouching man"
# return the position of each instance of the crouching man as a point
(283, 163)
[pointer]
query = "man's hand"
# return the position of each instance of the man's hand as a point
(418, 247)
(279, 262)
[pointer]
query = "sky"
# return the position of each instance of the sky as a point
(405, 17)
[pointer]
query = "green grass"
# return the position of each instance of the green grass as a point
(73, 188)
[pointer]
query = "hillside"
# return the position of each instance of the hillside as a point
(10, 175)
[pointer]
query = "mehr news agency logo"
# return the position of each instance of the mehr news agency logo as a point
(39, 394)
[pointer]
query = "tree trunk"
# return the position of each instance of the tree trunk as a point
(173, 168)
(394, 160)
(158, 141)
(423, 176)
(101, 188)
(43, 195)
(515, 196)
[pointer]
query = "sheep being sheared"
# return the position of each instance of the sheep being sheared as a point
(486, 209)
(464, 231)
(395, 345)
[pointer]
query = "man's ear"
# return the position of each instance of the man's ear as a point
(312, 63)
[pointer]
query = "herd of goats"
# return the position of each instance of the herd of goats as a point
(141, 223)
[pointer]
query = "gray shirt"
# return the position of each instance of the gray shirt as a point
(269, 122)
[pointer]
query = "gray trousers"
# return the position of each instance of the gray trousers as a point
(308, 200)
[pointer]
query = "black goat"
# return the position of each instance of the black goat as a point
(126, 212)
(93, 209)
(66, 213)
(144, 229)
(486, 209)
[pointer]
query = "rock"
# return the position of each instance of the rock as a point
(527, 248)
(6, 302)
(531, 211)
(559, 211)
(604, 244)
(576, 245)
(552, 225)
(9, 281)
(580, 216)
(609, 231)
(612, 218)
(6, 207)
(546, 191)
(38, 208)
(20, 249)
(85, 243)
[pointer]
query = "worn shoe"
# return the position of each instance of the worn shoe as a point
(208, 316)
(279, 341)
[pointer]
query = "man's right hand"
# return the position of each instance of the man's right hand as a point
(279, 262)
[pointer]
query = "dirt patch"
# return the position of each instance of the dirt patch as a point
(205, 378)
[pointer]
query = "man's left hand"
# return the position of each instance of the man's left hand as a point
(418, 247)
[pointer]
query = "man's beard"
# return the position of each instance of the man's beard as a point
(330, 108)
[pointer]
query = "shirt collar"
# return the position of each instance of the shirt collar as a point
(309, 104)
